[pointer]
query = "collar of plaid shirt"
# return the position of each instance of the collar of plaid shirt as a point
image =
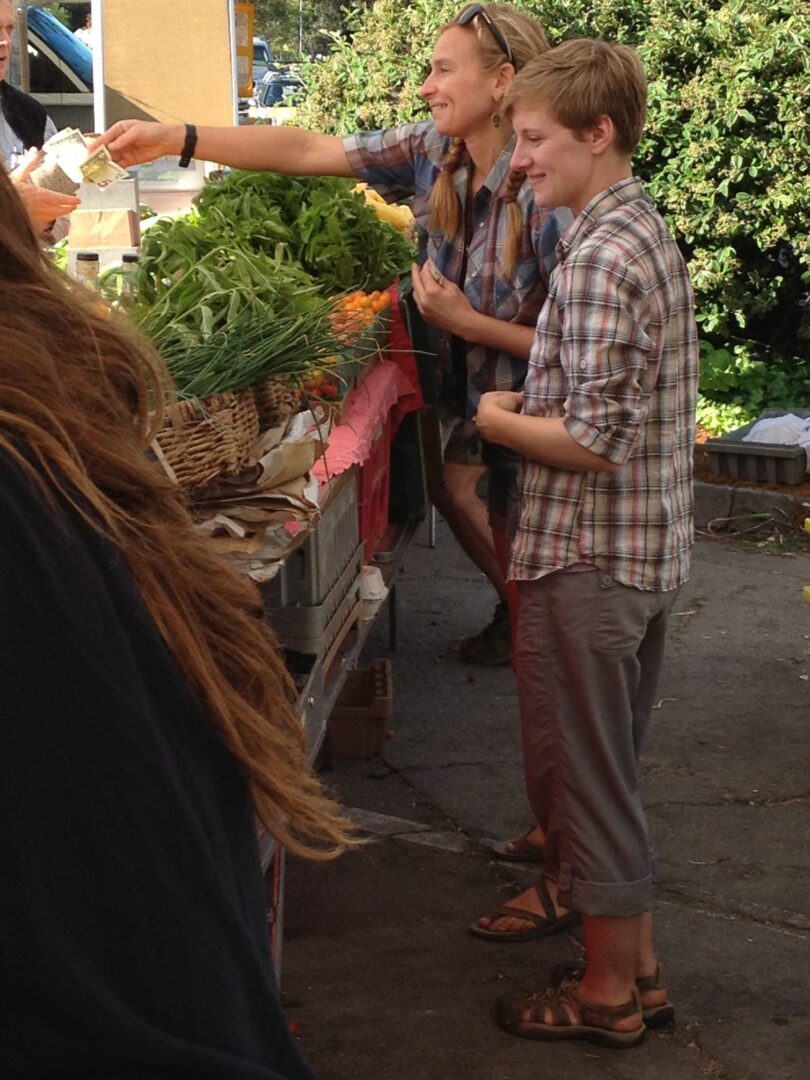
(606, 201)
(497, 174)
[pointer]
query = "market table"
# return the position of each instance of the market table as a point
(387, 402)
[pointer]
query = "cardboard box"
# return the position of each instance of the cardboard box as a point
(94, 229)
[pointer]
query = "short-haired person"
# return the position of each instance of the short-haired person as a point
(605, 428)
(147, 720)
(477, 223)
(24, 127)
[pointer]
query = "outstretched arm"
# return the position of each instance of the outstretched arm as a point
(291, 150)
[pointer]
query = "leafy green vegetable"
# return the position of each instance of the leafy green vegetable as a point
(326, 226)
(233, 292)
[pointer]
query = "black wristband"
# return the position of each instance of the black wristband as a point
(189, 146)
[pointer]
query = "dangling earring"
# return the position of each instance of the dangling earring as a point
(496, 119)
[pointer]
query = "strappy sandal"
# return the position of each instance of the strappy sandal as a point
(522, 850)
(570, 1017)
(655, 1016)
(542, 925)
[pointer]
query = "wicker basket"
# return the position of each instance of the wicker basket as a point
(202, 440)
(275, 402)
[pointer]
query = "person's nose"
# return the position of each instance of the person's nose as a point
(520, 160)
(428, 88)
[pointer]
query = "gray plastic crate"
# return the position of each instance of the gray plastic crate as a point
(763, 463)
(315, 629)
(310, 572)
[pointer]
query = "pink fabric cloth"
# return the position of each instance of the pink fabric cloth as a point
(367, 409)
(391, 387)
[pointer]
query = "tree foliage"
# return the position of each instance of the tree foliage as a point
(725, 153)
(286, 23)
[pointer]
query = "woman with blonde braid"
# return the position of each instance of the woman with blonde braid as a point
(483, 267)
(147, 722)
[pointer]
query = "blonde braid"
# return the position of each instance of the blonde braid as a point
(445, 209)
(514, 222)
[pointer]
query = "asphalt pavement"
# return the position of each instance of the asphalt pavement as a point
(381, 978)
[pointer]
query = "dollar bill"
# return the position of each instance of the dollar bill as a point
(68, 150)
(65, 137)
(100, 169)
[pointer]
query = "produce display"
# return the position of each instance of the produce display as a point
(326, 226)
(246, 286)
(357, 311)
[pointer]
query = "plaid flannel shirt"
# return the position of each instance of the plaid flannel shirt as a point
(616, 355)
(405, 162)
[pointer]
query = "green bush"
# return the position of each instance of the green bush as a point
(725, 153)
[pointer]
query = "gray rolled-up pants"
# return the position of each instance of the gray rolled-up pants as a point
(588, 657)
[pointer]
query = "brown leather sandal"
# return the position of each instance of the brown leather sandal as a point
(542, 925)
(655, 1016)
(570, 1016)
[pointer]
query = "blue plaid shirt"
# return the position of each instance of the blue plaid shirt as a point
(404, 163)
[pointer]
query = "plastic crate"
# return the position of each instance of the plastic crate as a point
(373, 488)
(763, 463)
(356, 728)
(310, 572)
(316, 630)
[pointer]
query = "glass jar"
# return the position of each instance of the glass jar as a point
(87, 268)
(129, 263)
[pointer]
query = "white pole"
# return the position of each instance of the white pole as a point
(234, 61)
(99, 87)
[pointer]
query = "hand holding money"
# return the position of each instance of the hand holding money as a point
(42, 205)
(68, 162)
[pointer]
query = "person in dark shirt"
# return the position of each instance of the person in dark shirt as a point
(147, 721)
(25, 126)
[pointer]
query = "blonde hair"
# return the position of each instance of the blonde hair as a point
(527, 40)
(77, 390)
(581, 80)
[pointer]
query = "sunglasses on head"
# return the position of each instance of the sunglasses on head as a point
(472, 12)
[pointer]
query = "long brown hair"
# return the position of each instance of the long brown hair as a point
(80, 398)
(526, 39)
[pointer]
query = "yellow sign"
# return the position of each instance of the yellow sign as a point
(245, 18)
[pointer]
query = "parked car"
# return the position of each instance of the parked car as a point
(58, 62)
(262, 59)
(278, 87)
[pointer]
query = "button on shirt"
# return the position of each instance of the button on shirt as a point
(616, 355)
(406, 162)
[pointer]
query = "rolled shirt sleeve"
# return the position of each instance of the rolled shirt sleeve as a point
(606, 354)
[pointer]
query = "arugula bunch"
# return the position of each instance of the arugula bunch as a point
(326, 226)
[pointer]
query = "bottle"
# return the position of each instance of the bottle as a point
(87, 268)
(129, 264)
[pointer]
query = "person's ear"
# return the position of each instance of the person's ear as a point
(505, 75)
(602, 134)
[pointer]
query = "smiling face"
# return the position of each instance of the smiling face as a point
(461, 94)
(563, 166)
(7, 23)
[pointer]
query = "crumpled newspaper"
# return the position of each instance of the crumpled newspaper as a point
(257, 517)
